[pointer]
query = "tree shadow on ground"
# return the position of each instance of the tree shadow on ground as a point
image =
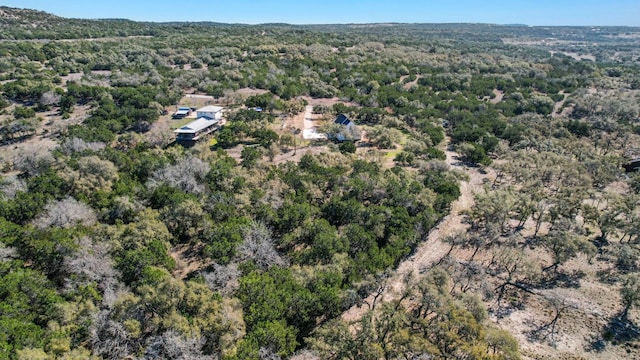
(559, 279)
(530, 242)
(619, 330)
(541, 332)
(609, 276)
(504, 309)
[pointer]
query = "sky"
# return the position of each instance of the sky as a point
(530, 12)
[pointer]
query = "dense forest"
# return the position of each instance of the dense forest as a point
(490, 160)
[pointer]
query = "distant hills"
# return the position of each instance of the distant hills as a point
(24, 24)
(26, 17)
(28, 24)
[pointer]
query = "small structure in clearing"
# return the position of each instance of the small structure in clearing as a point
(181, 113)
(347, 130)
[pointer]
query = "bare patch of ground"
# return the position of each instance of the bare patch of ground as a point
(45, 139)
(410, 84)
(574, 55)
(547, 42)
(499, 96)
(327, 101)
(79, 76)
(197, 99)
(189, 67)
(246, 92)
(290, 154)
(588, 305)
(188, 259)
(587, 309)
(558, 108)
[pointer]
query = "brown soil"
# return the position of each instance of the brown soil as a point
(47, 133)
(246, 92)
(558, 106)
(433, 249)
(284, 156)
(588, 307)
(410, 84)
(78, 76)
(326, 101)
(499, 96)
(188, 260)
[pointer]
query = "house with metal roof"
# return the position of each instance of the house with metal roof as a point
(342, 119)
(190, 133)
(348, 131)
(211, 112)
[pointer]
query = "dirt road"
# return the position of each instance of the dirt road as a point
(309, 131)
(433, 249)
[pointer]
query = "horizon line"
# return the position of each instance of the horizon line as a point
(160, 22)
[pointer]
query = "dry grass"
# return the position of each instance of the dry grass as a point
(48, 129)
(588, 303)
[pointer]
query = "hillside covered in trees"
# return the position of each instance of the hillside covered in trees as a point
(498, 148)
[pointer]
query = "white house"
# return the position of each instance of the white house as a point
(209, 120)
(211, 112)
(349, 131)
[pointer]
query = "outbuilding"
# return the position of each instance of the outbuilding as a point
(182, 112)
(348, 131)
(210, 112)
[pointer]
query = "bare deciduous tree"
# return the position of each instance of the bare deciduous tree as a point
(110, 339)
(171, 345)
(305, 355)
(34, 160)
(268, 353)
(65, 214)
(75, 145)
(11, 185)
(92, 263)
(548, 330)
(50, 98)
(187, 174)
(222, 278)
(7, 253)
(258, 246)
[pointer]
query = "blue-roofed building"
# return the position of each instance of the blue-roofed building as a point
(342, 119)
(350, 131)
(182, 112)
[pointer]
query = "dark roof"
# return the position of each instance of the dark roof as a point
(632, 165)
(342, 119)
